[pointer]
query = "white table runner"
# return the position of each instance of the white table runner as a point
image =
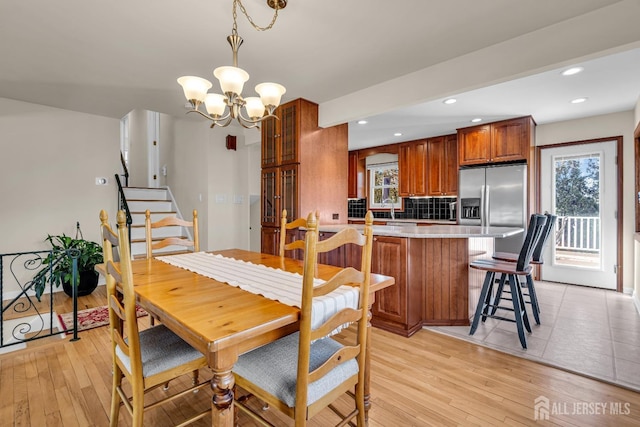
(272, 283)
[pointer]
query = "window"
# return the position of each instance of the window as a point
(383, 186)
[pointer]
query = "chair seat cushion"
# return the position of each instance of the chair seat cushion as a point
(273, 368)
(160, 350)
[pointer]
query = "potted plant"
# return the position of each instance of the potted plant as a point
(58, 265)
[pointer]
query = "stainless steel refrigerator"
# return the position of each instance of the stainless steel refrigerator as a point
(494, 196)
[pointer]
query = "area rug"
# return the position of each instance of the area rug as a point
(91, 318)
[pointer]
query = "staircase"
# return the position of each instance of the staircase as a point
(160, 203)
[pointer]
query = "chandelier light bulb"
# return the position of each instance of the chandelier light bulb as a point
(232, 79)
(195, 88)
(270, 93)
(254, 106)
(215, 104)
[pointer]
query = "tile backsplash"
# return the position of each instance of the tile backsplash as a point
(423, 208)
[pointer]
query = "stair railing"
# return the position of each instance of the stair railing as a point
(122, 205)
(125, 169)
(23, 317)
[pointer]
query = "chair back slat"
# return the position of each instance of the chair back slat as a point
(284, 226)
(544, 237)
(346, 316)
(171, 221)
(345, 277)
(339, 357)
(536, 224)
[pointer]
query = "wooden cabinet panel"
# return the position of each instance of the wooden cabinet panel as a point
(270, 129)
(270, 243)
(280, 137)
(357, 176)
(450, 173)
(505, 141)
(442, 155)
(509, 140)
(412, 167)
(474, 145)
(445, 300)
(270, 210)
(388, 258)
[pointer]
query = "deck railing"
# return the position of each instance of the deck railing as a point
(578, 233)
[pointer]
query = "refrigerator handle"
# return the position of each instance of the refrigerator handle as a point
(485, 206)
(481, 208)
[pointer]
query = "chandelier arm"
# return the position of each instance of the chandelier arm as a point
(207, 116)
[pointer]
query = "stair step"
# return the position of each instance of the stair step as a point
(152, 205)
(138, 232)
(143, 193)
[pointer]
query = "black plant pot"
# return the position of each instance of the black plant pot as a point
(88, 283)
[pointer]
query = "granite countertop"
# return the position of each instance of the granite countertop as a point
(410, 221)
(436, 231)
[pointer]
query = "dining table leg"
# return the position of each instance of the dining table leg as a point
(222, 384)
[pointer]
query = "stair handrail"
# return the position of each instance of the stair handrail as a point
(126, 170)
(122, 205)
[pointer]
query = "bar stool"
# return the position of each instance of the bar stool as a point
(509, 272)
(536, 259)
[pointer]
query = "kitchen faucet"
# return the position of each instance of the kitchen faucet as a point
(393, 212)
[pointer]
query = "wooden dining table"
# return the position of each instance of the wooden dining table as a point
(223, 321)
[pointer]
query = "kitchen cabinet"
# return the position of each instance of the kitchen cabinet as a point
(412, 168)
(396, 308)
(304, 169)
(442, 165)
(504, 141)
(356, 188)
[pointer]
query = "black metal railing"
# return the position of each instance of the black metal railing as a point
(123, 205)
(23, 317)
(125, 170)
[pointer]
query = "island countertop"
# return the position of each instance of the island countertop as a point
(435, 231)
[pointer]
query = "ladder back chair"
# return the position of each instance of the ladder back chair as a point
(284, 226)
(488, 303)
(147, 358)
(307, 371)
(170, 221)
(536, 259)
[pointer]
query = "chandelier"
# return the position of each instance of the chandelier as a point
(232, 80)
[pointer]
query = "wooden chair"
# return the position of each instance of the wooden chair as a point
(148, 358)
(536, 259)
(284, 226)
(307, 371)
(171, 221)
(509, 272)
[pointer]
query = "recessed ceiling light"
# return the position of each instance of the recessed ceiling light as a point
(476, 120)
(397, 134)
(578, 100)
(450, 101)
(571, 71)
(362, 122)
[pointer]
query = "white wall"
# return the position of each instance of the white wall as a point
(50, 159)
(609, 125)
(204, 175)
(138, 150)
(636, 294)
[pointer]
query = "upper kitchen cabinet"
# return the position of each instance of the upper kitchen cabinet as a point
(442, 161)
(504, 141)
(281, 138)
(356, 189)
(412, 168)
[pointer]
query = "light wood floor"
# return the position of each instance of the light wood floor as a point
(428, 379)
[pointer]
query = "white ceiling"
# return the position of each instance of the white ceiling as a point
(108, 58)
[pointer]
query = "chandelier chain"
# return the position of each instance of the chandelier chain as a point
(253, 24)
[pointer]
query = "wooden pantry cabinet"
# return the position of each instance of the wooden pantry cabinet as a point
(504, 141)
(304, 169)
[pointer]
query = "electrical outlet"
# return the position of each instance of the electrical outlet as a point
(336, 216)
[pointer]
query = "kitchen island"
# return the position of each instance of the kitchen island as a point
(431, 266)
